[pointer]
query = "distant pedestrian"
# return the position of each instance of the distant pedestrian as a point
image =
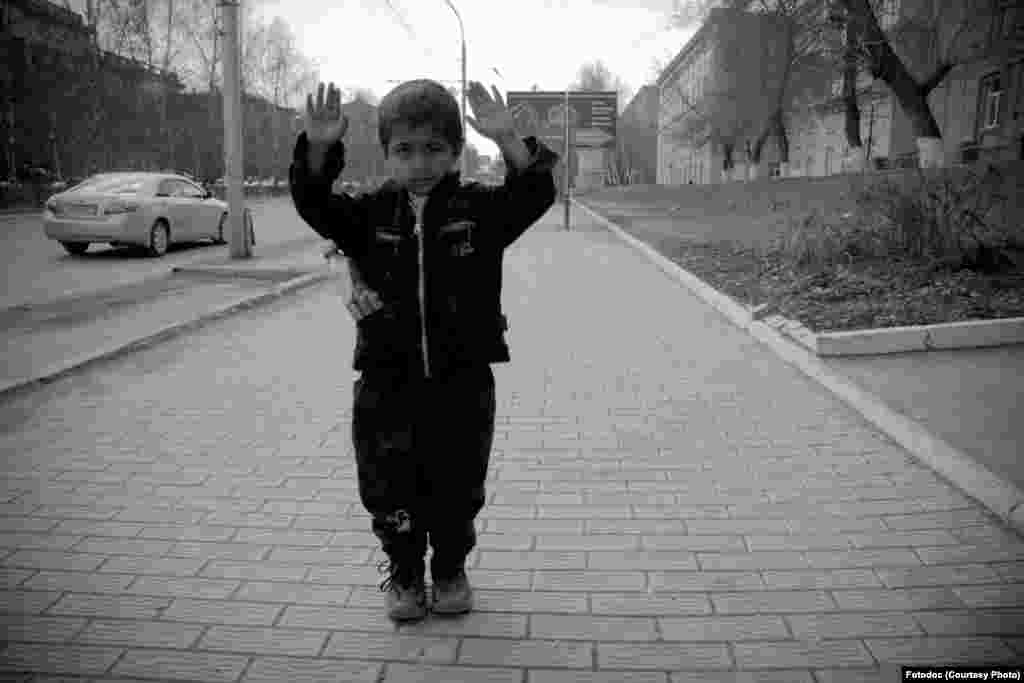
(425, 253)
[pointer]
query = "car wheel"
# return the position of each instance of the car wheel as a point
(220, 230)
(159, 239)
(75, 248)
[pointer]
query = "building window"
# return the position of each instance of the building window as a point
(1010, 20)
(888, 12)
(991, 100)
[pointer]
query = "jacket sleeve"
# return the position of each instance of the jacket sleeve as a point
(526, 194)
(336, 217)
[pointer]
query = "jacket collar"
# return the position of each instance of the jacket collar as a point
(444, 189)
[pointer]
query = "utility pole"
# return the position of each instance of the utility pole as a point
(568, 160)
(465, 133)
(241, 245)
(462, 35)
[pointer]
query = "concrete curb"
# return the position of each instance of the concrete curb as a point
(1003, 498)
(970, 334)
(64, 368)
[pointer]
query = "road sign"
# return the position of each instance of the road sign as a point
(592, 116)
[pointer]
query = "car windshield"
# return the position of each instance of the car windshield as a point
(119, 184)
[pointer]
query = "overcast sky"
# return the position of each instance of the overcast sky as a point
(366, 43)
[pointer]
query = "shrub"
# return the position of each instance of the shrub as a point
(950, 218)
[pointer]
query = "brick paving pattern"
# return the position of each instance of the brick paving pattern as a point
(669, 503)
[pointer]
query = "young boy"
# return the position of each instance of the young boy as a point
(425, 251)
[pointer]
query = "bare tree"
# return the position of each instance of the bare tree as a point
(717, 118)
(742, 101)
(801, 54)
(364, 95)
(596, 76)
(920, 51)
(184, 37)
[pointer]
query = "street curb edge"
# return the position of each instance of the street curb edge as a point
(166, 333)
(1001, 497)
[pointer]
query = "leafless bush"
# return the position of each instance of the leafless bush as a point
(947, 218)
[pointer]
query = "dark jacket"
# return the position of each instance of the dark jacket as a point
(466, 228)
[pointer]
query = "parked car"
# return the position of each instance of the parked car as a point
(148, 209)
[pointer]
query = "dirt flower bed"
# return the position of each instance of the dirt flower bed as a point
(880, 293)
(846, 253)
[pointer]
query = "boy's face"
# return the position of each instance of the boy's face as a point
(419, 157)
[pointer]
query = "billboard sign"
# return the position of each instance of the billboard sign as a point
(592, 116)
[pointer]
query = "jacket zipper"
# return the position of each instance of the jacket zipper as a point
(422, 297)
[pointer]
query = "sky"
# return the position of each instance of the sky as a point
(513, 46)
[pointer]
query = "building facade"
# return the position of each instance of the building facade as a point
(979, 106)
(684, 155)
(74, 108)
(637, 136)
(715, 95)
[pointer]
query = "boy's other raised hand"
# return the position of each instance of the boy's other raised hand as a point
(493, 119)
(324, 122)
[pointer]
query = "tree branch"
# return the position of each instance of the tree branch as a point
(936, 78)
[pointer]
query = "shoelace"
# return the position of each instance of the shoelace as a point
(391, 569)
(395, 576)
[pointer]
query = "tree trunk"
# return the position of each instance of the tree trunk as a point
(727, 151)
(851, 106)
(758, 148)
(165, 127)
(886, 65)
(781, 137)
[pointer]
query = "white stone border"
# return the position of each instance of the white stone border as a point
(943, 336)
(1002, 497)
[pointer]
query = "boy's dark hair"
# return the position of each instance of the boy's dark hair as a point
(418, 103)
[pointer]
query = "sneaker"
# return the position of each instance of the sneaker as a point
(406, 592)
(452, 595)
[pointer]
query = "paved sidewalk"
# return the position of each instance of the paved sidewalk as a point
(39, 342)
(669, 502)
(964, 396)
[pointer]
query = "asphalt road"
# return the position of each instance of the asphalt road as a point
(37, 269)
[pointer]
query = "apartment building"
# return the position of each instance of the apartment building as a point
(680, 89)
(979, 106)
(637, 135)
(707, 110)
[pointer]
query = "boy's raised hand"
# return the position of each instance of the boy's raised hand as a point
(324, 122)
(493, 119)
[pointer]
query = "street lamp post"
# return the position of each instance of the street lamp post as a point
(240, 243)
(462, 34)
(11, 171)
(55, 158)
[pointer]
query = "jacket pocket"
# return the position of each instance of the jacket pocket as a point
(386, 252)
(382, 339)
(457, 239)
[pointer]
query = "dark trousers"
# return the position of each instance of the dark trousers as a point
(422, 450)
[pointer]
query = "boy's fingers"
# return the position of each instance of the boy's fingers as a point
(478, 91)
(497, 97)
(320, 97)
